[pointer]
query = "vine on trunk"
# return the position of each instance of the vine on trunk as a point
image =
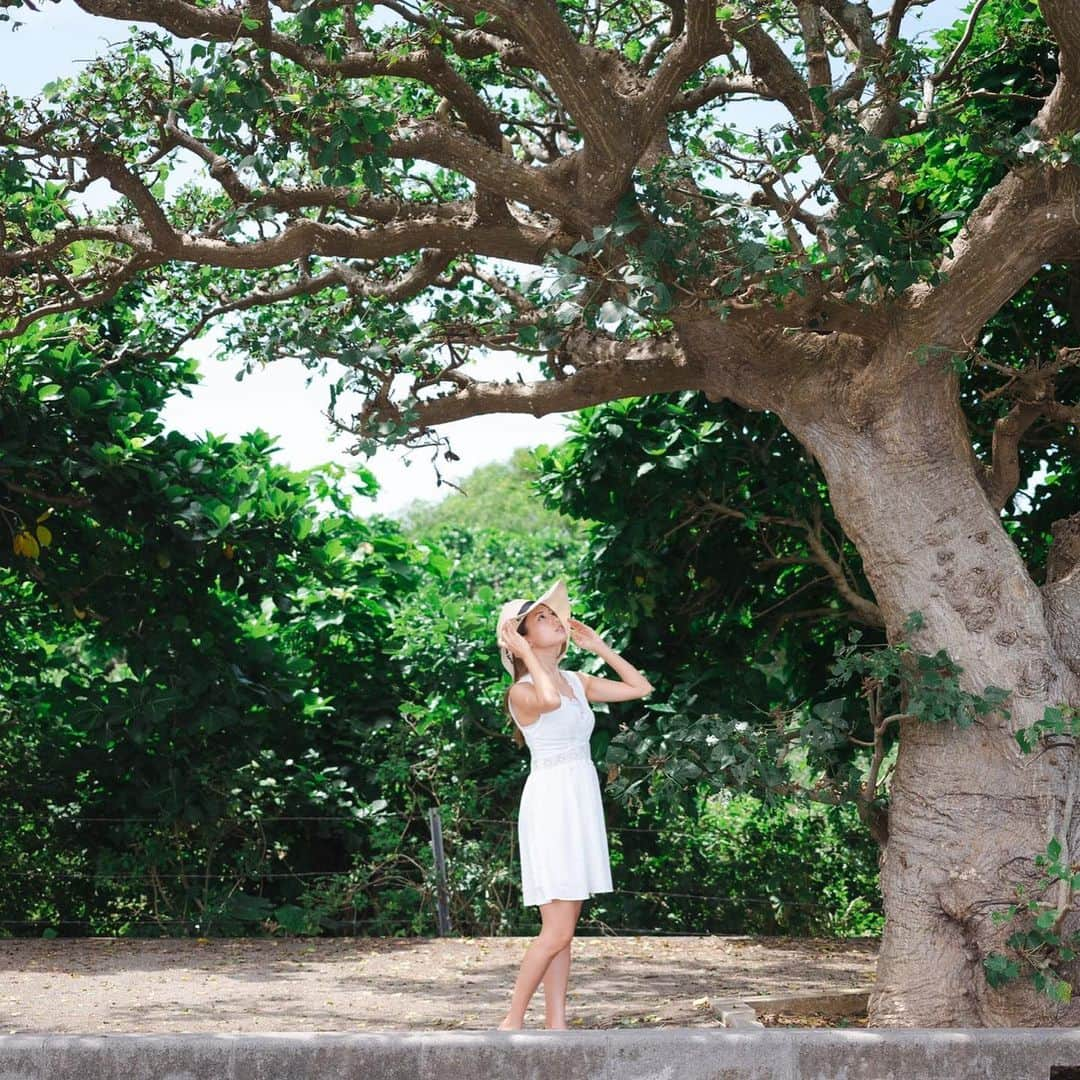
(1039, 945)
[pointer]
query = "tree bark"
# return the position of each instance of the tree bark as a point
(969, 811)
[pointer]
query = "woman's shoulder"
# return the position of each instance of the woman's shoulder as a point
(517, 697)
(582, 678)
(515, 692)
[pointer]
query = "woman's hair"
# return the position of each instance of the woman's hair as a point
(519, 670)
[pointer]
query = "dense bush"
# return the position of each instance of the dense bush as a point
(744, 866)
(189, 653)
(228, 704)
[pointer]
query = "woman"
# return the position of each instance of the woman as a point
(563, 845)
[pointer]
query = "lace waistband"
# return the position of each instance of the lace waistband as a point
(561, 757)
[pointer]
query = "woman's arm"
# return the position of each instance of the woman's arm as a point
(633, 684)
(539, 696)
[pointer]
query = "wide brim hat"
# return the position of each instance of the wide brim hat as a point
(515, 611)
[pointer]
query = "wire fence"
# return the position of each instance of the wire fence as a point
(199, 875)
(456, 824)
(590, 927)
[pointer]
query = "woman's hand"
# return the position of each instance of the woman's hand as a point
(515, 641)
(584, 637)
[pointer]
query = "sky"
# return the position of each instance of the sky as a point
(51, 44)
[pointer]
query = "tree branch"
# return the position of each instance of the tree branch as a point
(721, 86)
(1033, 387)
(162, 238)
(817, 57)
(700, 40)
(428, 65)
(425, 272)
(867, 610)
(855, 22)
(987, 265)
(305, 238)
(539, 189)
(219, 167)
(942, 73)
(1002, 477)
(770, 63)
(605, 369)
(1063, 18)
(575, 74)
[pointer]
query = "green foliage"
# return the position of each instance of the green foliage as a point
(981, 122)
(498, 496)
(930, 685)
(698, 552)
(196, 650)
(699, 524)
(1040, 945)
(295, 117)
(810, 749)
(223, 718)
(732, 863)
(688, 503)
(451, 745)
(1056, 720)
(190, 647)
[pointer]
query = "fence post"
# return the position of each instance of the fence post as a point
(435, 824)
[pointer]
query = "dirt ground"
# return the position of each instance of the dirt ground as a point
(96, 985)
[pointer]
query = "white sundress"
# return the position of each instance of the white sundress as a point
(561, 832)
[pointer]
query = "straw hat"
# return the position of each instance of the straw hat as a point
(515, 611)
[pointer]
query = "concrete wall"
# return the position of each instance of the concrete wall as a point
(675, 1053)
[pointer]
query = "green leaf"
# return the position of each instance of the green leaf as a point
(1000, 970)
(1046, 919)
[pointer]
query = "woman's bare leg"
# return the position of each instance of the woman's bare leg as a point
(555, 980)
(559, 919)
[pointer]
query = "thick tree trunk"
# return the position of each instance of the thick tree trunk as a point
(969, 811)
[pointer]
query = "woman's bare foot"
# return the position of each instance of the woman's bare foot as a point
(507, 1026)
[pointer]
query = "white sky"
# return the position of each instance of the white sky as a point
(51, 44)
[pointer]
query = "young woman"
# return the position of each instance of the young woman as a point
(561, 835)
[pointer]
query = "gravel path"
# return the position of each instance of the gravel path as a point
(98, 985)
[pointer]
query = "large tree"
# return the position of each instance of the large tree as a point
(392, 186)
